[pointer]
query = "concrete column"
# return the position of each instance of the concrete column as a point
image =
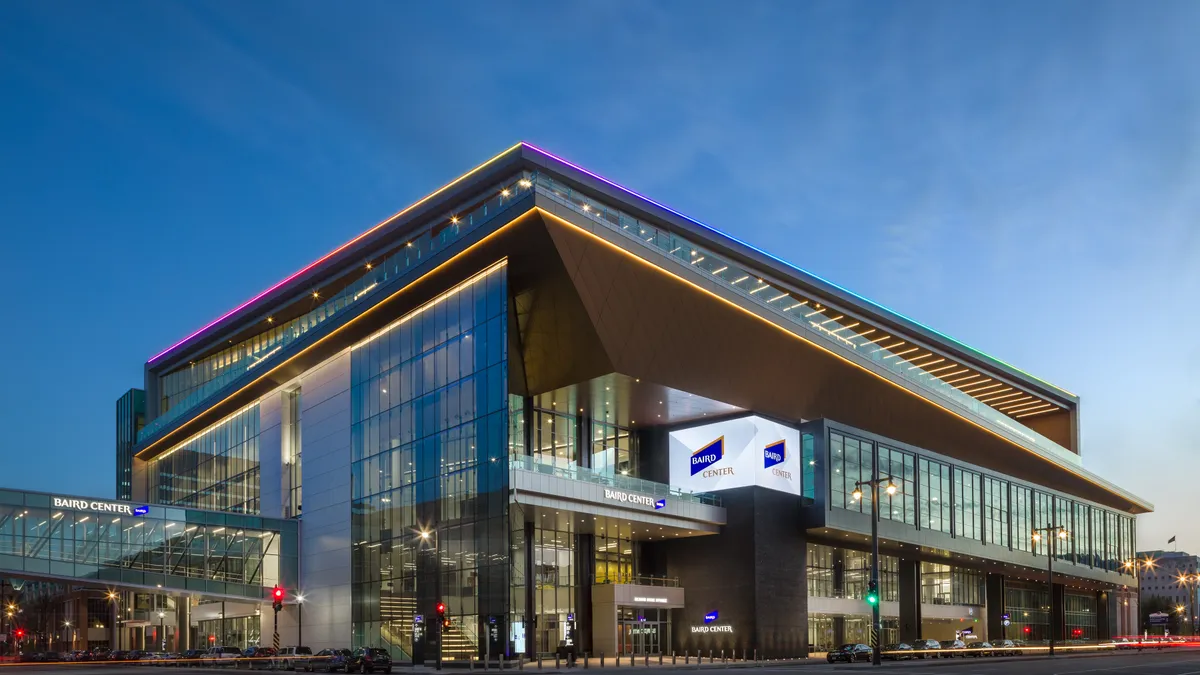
(1058, 621)
(183, 623)
(530, 610)
(585, 563)
(910, 600)
(1104, 616)
(994, 597)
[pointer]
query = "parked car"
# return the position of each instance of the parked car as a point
(849, 653)
(1004, 648)
(316, 661)
(331, 660)
(221, 656)
(191, 657)
(256, 658)
(288, 657)
(949, 646)
(898, 651)
(98, 654)
(51, 657)
(370, 660)
(978, 649)
(926, 649)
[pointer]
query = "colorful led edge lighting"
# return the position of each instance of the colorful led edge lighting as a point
(626, 190)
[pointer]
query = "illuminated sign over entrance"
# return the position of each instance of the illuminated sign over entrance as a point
(630, 498)
(100, 507)
(725, 628)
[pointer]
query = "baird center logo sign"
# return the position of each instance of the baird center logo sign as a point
(709, 455)
(100, 507)
(736, 453)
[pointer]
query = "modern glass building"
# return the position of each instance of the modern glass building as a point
(582, 419)
(131, 417)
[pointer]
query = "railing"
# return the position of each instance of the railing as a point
(423, 244)
(764, 294)
(637, 580)
(646, 487)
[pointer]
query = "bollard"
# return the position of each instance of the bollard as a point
(646, 660)
(585, 660)
(687, 657)
(672, 657)
(520, 662)
(539, 661)
(557, 663)
(601, 659)
(723, 657)
(756, 654)
(660, 655)
(710, 656)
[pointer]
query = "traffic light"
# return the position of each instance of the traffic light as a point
(872, 594)
(1027, 630)
(441, 615)
(20, 633)
(277, 598)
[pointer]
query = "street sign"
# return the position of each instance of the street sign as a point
(1159, 619)
(1005, 622)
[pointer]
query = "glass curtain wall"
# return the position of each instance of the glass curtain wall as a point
(949, 585)
(972, 505)
(429, 412)
(216, 469)
(1029, 610)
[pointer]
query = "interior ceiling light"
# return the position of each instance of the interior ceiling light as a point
(1016, 403)
(1000, 397)
(906, 351)
(975, 390)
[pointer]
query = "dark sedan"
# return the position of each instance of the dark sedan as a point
(898, 651)
(849, 653)
(926, 648)
(331, 660)
(371, 660)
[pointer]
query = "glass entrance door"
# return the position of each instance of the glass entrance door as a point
(642, 631)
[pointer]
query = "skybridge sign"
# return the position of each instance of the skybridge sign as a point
(99, 506)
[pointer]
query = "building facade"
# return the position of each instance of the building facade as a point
(131, 417)
(1172, 577)
(583, 420)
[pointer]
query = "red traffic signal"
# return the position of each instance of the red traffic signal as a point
(1026, 629)
(441, 608)
(20, 633)
(277, 594)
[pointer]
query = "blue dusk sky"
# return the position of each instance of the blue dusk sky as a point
(1023, 176)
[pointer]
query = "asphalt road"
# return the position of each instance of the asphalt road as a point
(1167, 662)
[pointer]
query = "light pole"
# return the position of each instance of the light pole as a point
(300, 636)
(67, 625)
(437, 585)
(873, 586)
(1052, 532)
(112, 598)
(162, 630)
(1137, 566)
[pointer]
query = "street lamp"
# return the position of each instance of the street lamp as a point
(112, 597)
(300, 601)
(426, 535)
(67, 625)
(1137, 566)
(1052, 532)
(162, 630)
(873, 586)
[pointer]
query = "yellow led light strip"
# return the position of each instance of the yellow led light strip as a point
(1131, 499)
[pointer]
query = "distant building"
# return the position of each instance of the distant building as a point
(1162, 579)
(131, 417)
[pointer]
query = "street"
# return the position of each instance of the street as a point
(1170, 662)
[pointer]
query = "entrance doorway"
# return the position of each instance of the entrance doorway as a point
(643, 631)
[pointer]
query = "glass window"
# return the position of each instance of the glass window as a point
(852, 461)
(996, 516)
(901, 467)
(967, 500)
(934, 478)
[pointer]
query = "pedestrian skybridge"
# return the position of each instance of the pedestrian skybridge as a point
(113, 544)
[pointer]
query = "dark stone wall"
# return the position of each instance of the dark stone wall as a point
(994, 596)
(910, 600)
(752, 573)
